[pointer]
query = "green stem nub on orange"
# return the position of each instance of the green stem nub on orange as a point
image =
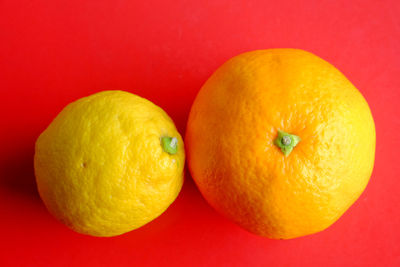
(169, 144)
(286, 142)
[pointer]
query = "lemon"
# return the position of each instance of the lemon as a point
(109, 163)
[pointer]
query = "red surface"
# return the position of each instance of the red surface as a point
(53, 52)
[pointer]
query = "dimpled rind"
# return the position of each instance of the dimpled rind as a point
(100, 168)
(239, 170)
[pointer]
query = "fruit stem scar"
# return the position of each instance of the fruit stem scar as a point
(286, 142)
(169, 144)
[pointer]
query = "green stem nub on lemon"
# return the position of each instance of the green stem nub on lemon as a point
(169, 144)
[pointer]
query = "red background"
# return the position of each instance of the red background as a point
(53, 52)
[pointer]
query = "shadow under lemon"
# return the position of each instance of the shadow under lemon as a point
(17, 173)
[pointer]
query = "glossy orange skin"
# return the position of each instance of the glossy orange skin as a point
(243, 175)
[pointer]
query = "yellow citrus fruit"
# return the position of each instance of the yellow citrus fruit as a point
(280, 142)
(109, 163)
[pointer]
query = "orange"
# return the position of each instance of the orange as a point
(280, 142)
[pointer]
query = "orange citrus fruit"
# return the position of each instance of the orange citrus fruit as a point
(280, 142)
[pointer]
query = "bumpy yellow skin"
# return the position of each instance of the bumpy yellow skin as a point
(242, 174)
(100, 167)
